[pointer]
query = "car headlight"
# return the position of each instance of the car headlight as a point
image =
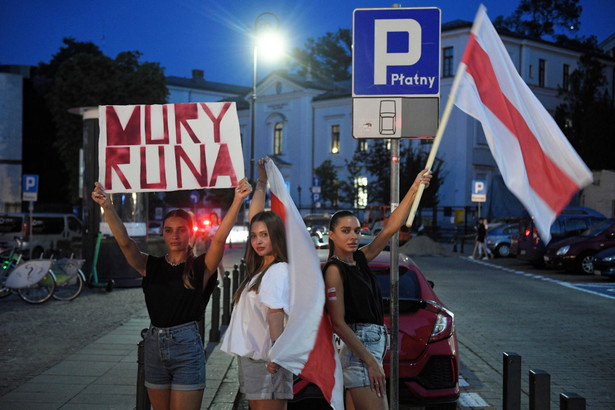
(563, 250)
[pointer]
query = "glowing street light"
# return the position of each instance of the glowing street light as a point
(269, 42)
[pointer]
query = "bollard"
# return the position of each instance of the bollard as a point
(571, 401)
(235, 279)
(143, 402)
(511, 399)
(242, 270)
(214, 332)
(455, 243)
(226, 299)
(540, 390)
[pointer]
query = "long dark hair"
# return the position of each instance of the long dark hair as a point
(188, 275)
(254, 262)
(333, 222)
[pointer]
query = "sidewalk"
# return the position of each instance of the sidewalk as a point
(103, 374)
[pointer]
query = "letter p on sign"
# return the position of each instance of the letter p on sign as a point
(383, 58)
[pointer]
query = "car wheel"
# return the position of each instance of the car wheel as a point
(585, 263)
(503, 250)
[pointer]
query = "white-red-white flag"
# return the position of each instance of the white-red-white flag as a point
(537, 162)
(306, 346)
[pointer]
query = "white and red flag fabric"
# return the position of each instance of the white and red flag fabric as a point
(537, 162)
(306, 346)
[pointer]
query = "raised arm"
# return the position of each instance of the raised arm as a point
(216, 249)
(257, 204)
(131, 251)
(397, 218)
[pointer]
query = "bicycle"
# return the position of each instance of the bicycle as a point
(33, 281)
(69, 278)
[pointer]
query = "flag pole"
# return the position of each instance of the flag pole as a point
(482, 11)
(437, 139)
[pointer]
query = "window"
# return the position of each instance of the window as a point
(335, 139)
(566, 77)
(447, 62)
(360, 184)
(541, 72)
(277, 138)
(363, 145)
(387, 144)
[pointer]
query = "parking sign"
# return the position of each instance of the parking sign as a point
(396, 51)
(479, 191)
(30, 188)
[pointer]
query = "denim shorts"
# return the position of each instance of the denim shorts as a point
(374, 339)
(256, 383)
(174, 358)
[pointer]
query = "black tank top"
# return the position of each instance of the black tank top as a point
(168, 302)
(362, 294)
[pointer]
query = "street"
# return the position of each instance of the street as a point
(556, 322)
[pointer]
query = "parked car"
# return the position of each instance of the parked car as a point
(428, 353)
(500, 238)
(577, 252)
(571, 221)
(604, 263)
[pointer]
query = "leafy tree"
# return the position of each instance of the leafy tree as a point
(539, 18)
(327, 58)
(79, 75)
(328, 182)
(587, 117)
(377, 162)
(348, 189)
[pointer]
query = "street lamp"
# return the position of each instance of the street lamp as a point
(265, 38)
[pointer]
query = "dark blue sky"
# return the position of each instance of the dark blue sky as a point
(211, 35)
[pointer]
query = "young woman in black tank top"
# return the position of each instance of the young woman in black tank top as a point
(177, 288)
(354, 301)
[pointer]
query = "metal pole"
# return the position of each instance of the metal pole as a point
(252, 106)
(394, 300)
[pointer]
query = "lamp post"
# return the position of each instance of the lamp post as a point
(260, 19)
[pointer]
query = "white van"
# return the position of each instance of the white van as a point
(50, 231)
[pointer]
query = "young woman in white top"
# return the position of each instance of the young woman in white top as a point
(261, 308)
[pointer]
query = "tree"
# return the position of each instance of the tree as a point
(377, 162)
(328, 182)
(79, 75)
(539, 18)
(327, 58)
(587, 117)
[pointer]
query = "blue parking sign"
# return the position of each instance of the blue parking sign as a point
(396, 51)
(29, 187)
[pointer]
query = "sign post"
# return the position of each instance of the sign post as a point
(30, 193)
(316, 192)
(395, 94)
(479, 193)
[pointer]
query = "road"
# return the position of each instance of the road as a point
(559, 323)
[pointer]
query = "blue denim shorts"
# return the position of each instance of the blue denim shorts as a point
(256, 383)
(174, 358)
(374, 339)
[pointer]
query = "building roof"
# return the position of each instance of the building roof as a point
(198, 82)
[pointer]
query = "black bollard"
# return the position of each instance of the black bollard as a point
(226, 299)
(143, 402)
(455, 243)
(512, 381)
(571, 401)
(540, 390)
(214, 332)
(242, 270)
(235, 278)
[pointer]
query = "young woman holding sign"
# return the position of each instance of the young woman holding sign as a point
(177, 287)
(354, 300)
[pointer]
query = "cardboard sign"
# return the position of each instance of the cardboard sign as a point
(169, 147)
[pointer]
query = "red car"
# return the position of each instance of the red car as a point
(428, 354)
